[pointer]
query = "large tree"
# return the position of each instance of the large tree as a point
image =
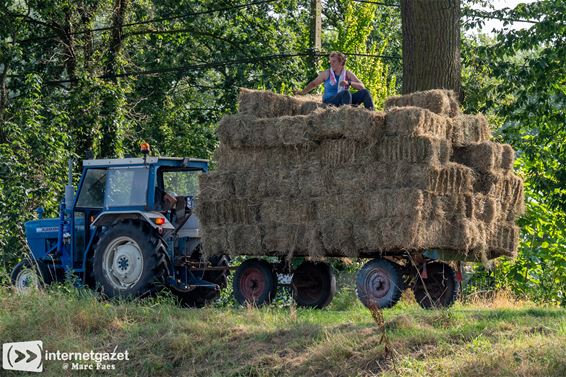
(431, 44)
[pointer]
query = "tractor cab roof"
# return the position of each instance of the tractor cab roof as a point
(180, 162)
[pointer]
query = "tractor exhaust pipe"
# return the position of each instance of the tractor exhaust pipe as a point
(69, 189)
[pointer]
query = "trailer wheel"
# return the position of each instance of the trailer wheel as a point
(440, 288)
(255, 283)
(128, 262)
(313, 284)
(30, 274)
(379, 282)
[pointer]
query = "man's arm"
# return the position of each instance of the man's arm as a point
(353, 81)
(313, 84)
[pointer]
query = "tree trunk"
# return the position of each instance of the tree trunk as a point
(431, 45)
(118, 16)
(69, 45)
(111, 107)
(87, 12)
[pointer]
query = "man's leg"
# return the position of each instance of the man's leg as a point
(363, 96)
(342, 98)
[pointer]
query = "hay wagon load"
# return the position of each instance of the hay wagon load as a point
(406, 188)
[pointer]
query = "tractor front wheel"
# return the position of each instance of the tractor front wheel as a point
(255, 283)
(31, 274)
(313, 284)
(128, 262)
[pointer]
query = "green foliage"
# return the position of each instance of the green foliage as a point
(86, 95)
(540, 269)
(55, 104)
(354, 36)
(32, 155)
(518, 79)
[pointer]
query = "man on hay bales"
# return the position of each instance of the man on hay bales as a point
(337, 82)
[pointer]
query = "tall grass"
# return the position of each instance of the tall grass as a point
(500, 337)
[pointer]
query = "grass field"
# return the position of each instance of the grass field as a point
(495, 338)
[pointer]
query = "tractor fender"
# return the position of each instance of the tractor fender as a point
(149, 217)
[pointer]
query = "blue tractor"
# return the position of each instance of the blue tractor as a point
(128, 231)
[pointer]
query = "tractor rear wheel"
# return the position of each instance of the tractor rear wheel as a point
(313, 284)
(128, 262)
(379, 282)
(31, 274)
(255, 283)
(439, 289)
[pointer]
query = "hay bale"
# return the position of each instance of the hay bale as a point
(243, 240)
(239, 131)
(485, 157)
(215, 186)
(330, 153)
(439, 101)
(503, 239)
(449, 179)
(288, 240)
(314, 181)
(258, 159)
(369, 206)
(289, 210)
(417, 149)
(265, 104)
(468, 129)
(416, 121)
(214, 239)
(352, 123)
(234, 211)
(461, 234)
(291, 183)
(473, 240)
(506, 187)
(243, 130)
(390, 234)
(335, 153)
(343, 181)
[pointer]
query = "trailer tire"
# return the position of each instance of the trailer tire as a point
(441, 287)
(129, 262)
(313, 284)
(379, 282)
(255, 283)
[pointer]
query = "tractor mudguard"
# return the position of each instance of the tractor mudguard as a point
(108, 218)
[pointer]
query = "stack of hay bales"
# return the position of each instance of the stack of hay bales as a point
(296, 178)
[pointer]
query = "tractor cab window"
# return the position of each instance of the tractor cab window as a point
(92, 190)
(126, 187)
(175, 184)
(181, 183)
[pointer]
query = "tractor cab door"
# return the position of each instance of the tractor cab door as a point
(182, 184)
(88, 205)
